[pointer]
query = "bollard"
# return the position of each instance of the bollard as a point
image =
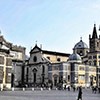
(1, 89)
(49, 88)
(13, 89)
(23, 89)
(41, 89)
(56, 89)
(32, 89)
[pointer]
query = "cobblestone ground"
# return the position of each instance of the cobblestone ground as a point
(47, 95)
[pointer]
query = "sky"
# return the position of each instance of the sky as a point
(57, 25)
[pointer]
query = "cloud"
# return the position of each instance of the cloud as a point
(96, 6)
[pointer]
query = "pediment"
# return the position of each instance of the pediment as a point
(35, 49)
(4, 47)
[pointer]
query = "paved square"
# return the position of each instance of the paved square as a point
(47, 95)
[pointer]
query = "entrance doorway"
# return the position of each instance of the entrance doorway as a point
(34, 75)
(55, 81)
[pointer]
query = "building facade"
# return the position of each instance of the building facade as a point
(79, 68)
(36, 71)
(9, 55)
(43, 66)
(83, 65)
(94, 53)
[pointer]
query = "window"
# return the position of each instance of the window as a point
(48, 58)
(95, 78)
(43, 69)
(81, 68)
(35, 59)
(99, 70)
(90, 57)
(97, 44)
(90, 63)
(99, 76)
(94, 57)
(68, 77)
(79, 45)
(58, 59)
(1, 60)
(1, 74)
(56, 67)
(81, 53)
(8, 75)
(99, 56)
(8, 62)
(86, 51)
(95, 63)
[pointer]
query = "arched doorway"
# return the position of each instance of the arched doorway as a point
(55, 79)
(34, 75)
(43, 73)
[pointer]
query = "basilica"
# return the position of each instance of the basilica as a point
(51, 68)
(80, 68)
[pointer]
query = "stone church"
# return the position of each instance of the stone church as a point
(36, 71)
(80, 68)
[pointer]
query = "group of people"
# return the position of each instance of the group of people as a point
(95, 89)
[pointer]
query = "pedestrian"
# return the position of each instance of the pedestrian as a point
(68, 88)
(64, 87)
(98, 89)
(92, 89)
(80, 94)
(74, 88)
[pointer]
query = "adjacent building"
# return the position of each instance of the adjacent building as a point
(10, 55)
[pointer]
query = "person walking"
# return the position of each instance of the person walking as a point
(74, 88)
(80, 94)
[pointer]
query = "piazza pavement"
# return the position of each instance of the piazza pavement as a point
(48, 95)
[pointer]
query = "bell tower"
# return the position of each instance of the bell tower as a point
(94, 41)
(94, 54)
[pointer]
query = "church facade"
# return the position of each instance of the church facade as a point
(36, 71)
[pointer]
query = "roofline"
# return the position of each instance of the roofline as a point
(80, 48)
(50, 52)
(55, 53)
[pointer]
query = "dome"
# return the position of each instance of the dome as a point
(80, 45)
(74, 57)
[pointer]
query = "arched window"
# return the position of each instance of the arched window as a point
(34, 58)
(43, 69)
